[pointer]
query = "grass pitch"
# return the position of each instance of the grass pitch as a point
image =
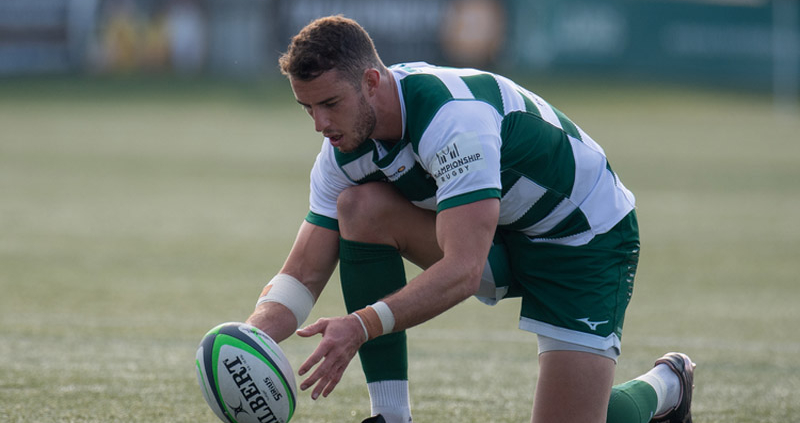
(134, 216)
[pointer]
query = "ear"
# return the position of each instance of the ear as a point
(372, 79)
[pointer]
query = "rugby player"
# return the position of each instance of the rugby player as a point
(490, 190)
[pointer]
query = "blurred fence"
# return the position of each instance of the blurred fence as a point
(753, 43)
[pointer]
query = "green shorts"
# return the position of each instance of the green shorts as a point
(576, 295)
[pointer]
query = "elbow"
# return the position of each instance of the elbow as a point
(463, 277)
(472, 281)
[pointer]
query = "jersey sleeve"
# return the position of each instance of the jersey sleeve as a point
(460, 148)
(327, 182)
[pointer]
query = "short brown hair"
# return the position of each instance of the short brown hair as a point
(332, 42)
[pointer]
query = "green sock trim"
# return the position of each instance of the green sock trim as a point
(361, 252)
(368, 273)
(634, 401)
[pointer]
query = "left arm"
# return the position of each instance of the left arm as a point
(464, 234)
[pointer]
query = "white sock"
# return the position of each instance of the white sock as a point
(666, 384)
(389, 398)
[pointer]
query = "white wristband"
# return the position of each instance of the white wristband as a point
(386, 316)
(363, 326)
(287, 290)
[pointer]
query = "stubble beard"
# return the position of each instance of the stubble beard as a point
(364, 127)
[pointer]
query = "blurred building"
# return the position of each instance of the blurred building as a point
(752, 43)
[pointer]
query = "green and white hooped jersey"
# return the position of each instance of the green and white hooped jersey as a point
(469, 135)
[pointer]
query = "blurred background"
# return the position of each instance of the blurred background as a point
(154, 170)
(751, 44)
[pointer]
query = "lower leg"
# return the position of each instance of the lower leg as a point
(576, 386)
(573, 386)
(377, 225)
(369, 272)
(634, 401)
(663, 394)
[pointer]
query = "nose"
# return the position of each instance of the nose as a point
(321, 120)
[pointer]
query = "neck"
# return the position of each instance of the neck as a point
(389, 114)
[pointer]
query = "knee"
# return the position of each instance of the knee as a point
(361, 201)
(362, 208)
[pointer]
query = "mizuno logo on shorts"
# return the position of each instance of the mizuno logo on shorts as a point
(592, 325)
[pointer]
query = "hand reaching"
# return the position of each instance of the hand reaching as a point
(341, 339)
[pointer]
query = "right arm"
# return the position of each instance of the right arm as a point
(311, 261)
(315, 252)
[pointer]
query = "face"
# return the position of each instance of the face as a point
(340, 111)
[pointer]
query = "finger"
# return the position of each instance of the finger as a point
(310, 381)
(312, 329)
(320, 373)
(330, 370)
(333, 382)
(327, 383)
(312, 361)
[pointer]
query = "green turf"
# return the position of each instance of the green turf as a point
(136, 215)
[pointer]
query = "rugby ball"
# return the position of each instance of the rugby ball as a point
(244, 376)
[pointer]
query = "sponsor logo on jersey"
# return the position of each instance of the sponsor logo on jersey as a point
(401, 164)
(396, 174)
(460, 157)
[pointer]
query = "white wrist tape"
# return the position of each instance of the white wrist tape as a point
(285, 289)
(386, 316)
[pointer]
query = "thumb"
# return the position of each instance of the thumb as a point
(313, 329)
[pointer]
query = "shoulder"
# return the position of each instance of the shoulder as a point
(434, 95)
